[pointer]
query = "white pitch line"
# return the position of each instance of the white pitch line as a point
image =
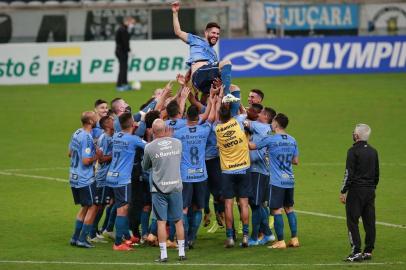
(36, 169)
(34, 176)
(389, 164)
(340, 217)
(298, 211)
(301, 164)
(202, 264)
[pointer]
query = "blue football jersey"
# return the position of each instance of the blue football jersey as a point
(200, 49)
(105, 144)
(259, 157)
(176, 124)
(282, 149)
(117, 127)
(80, 147)
(124, 148)
(97, 131)
(193, 165)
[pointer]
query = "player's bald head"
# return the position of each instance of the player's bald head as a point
(158, 127)
(88, 117)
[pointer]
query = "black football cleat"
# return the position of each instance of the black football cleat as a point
(182, 258)
(159, 260)
(354, 257)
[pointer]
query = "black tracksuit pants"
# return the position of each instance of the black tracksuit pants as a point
(136, 204)
(361, 203)
(123, 68)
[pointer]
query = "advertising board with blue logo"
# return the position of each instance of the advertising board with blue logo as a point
(309, 17)
(299, 56)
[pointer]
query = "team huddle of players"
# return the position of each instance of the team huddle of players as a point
(229, 152)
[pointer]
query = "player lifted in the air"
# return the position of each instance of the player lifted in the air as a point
(203, 61)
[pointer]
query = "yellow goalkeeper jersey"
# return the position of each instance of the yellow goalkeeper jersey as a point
(233, 146)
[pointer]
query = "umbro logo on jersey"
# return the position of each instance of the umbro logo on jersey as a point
(164, 143)
(229, 133)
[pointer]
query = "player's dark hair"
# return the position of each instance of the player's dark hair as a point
(211, 25)
(257, 107)
(258, 92)
(125, 120)
(270, 113)
(172, 108)
(192, 113)
(98, 102)
(103, 120)
(282, 120)
(224, 113)
(150, 118)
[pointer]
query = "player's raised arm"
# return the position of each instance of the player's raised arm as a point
(176, 25)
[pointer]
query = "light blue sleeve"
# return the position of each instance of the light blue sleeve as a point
(141, 129)
(241, 117)
(264, 142)
(192, 39)
(87, 147)
(296, 151)
(138, 142)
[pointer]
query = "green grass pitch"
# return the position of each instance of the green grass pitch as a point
(37, 211)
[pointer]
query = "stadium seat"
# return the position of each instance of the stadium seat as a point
(69, 3)
(34, 3)
(120, 1)
(51, 3)
(17, 3)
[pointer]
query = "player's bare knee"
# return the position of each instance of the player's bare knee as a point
(288, 209)
(224, 62)
(277, 211)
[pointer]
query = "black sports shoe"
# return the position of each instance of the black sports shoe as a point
(366, 256)
(159, 260)
(191, 244)
(182, 258)
(72, 242)
(354, 257)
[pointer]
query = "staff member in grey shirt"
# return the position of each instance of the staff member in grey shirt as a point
(163, 155)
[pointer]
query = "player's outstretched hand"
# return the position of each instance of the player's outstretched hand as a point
(185, 92)
(214, 90)
(217, 82)
(169, 85)
(180, 79)
(168, 89)
(175, 6)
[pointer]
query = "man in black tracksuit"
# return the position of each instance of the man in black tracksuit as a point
(122, 49)
(358, 192)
